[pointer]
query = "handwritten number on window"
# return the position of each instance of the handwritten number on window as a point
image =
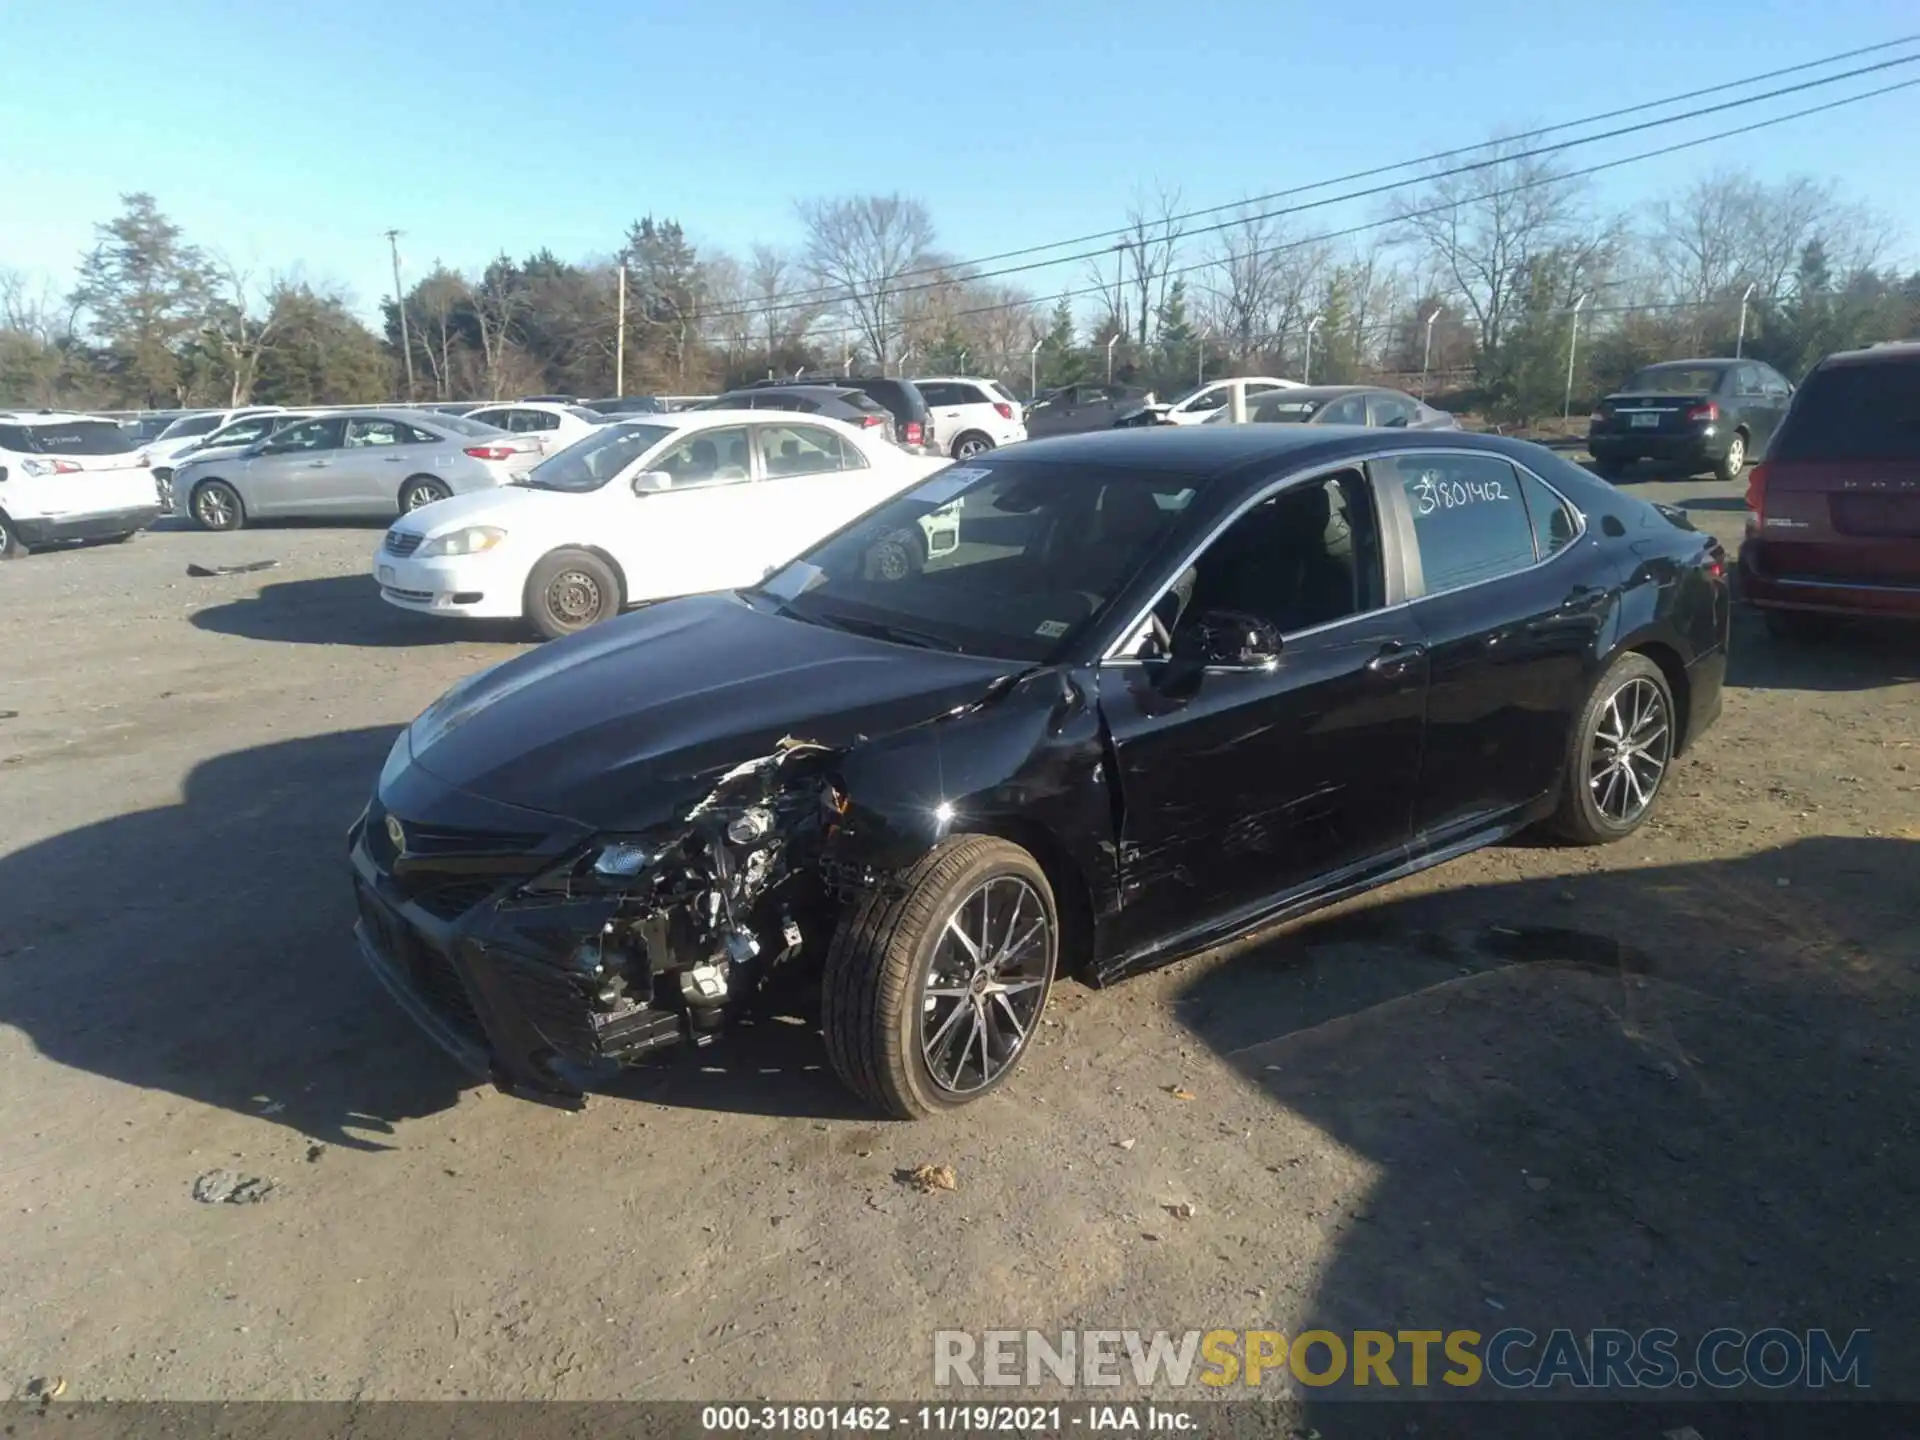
(1431, 493)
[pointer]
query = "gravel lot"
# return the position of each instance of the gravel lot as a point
(1667, 1083)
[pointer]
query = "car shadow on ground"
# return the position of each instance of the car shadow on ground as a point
(1675, 1096)
(344, 610)
(205, 949)
(1844, 654)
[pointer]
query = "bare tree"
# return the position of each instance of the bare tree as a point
(241, 321)
(497, 301)
(1485, 229)
(1151, 243)
(859, 247)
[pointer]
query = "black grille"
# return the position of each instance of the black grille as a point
(403, 542)
(454, 899)
(430, 973)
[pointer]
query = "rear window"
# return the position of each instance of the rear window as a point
(461, 425)
(1854, 412)
(860, 400)
(72, 437)
(1675, 380)
(191, 426)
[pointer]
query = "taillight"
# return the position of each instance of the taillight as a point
(913, 432)
(492, 452)
(1708, 412)
(867, 422)
(1757, 491)
(1005, 411)
(50, 467)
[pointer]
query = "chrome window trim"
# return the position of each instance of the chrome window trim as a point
(1410, 575)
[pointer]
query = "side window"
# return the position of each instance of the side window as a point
(1554, 523)
(414, 435)
(1774, 383)
(495, 418)
(314, 435)
(540, 420)
(969, 395)
(376, 432)
(1469, 521)
(1747, 381)
(940, 393)
(805, 450)
(1302, 558)
(1350, 411)
(1212, 400)
(713, 457)
(1390, 410)
(1260, 387)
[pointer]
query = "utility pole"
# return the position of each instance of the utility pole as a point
(1740, 341)
(400, 304)
(1115, 340)
(1573, 346)
(620, 342)
(1426, 351)
(1033, 370)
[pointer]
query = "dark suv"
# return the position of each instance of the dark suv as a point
(834, 400)
(1833, 522)
(1694, 414)
(912, 419)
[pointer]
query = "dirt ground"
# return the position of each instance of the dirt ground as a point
(1667, 1083)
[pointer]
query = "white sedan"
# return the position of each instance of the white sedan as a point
(554, 426)
(645, 509)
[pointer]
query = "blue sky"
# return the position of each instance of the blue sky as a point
(292, 136)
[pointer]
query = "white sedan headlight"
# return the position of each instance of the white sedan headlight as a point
(471, 541)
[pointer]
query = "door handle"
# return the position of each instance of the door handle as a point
(1394, 658)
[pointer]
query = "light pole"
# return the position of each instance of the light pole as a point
(400, 304)
(620, 343)
(1426, 351)
(1111, 342)
(1033, 370)
(1740, 340)
(1573, 347)
(1306, 373)
(1200, 356)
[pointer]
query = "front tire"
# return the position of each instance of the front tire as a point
(570, 590)
(217, 506)
(11, 546)
(972, 443)
(421, 490)
(1734, 461)
(934, 986)
(1619, 754)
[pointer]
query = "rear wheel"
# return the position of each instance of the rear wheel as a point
(934, 987)
(11, 547)
(1618, 754)
(1609, 467)
(973, 443)
(1735, 460)
(570, 590)
(421, 490)
(216, 506)
(899, 555)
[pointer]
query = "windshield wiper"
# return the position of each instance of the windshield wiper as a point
(878, 629)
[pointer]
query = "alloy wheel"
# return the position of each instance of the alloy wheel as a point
(210, 507)
(574, 598)
(986, 985)
(1736, 455)
(421, 496)
(971, 447)
(1631, 746)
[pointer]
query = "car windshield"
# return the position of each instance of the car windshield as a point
(1674, 380)
(190, 426)
(595, 458)
(66, 437)
(1013, 559)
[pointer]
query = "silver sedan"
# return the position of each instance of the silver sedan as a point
(349, 465)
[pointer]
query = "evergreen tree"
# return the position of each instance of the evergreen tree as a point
(145, 292)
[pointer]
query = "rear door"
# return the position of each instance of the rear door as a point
(1509, 610)
(1840, 492)
(809, 481)
(379, 455)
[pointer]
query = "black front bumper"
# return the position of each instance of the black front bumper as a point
(87, 527)
(491, 981)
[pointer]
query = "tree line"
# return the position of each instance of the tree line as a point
(1481, 277)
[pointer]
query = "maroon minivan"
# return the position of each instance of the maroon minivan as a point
(1833, 522)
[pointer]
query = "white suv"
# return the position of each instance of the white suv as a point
(972, 416)
(70, 477)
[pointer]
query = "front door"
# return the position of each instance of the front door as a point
(294, 472)
(1242, 787)
(700, 532)
(1509, 605)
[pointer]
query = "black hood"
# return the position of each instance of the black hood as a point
(630, 724)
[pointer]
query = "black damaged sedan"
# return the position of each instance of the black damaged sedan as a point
(1149, 690)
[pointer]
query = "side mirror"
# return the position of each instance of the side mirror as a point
(649, 481)
(1227, 638)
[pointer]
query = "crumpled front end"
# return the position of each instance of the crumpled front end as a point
(552, 961)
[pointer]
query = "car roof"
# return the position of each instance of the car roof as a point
(1886, 351)
(1326, 392)
(1716, 362)
(1206, 450)
(51, 417)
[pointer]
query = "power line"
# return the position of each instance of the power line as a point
(1506, 157)
(1554, 179)
(802, 297)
